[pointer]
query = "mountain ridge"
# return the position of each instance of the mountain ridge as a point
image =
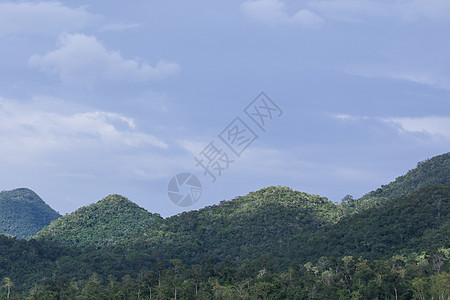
(434, 170)
(23, 213)
(99, 224)
(274, 239)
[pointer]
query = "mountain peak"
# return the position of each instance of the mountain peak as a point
(24, 213)
(102, 223)
(116, 199)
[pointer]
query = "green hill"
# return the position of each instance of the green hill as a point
(23, 213)
(100, 224)
(263, 222)
(283, 223)
(410, 223)
(431, 171)
(274, 243)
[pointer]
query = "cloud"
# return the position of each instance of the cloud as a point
(402, 10)
(117, 27)
(430, 125)
(30, 130)
(434, 126)
(42, 17)
(420, 75)
(82, 59)
(345, 117)
(273, 12)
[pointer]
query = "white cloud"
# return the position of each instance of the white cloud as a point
(430, 125)
(119, 26)
(42, 17)
(193, 147)
(306, 18)
(82, 59)
(435, 126)
(29, 131)
(345, 117)
(402, 10)
(435, 10)
(348, 118)
(273, 12)
(420, 75)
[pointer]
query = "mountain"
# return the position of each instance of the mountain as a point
(274, 221)
(100, 224)
(284, 224)
(410, 223)
(262, 222)
(274, 243)
(431, 171)
(23, 213)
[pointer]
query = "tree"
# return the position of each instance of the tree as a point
(348, 199)
(178, 269)
(246, 272)
(420, 286)
(440, 287)
(9, 284)
(438, 258)
(196, 274)
(150, 280)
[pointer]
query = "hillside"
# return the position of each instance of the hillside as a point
(23, 213)
(100, 224)
(290, 225)
(274, 243)
(431, 171)
(410, 223)
(263, 222)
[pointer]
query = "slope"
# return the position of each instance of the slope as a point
(262, 222)
(23, 213)
(411, 223)
(283, 223)
(431, 171)
(103, 223)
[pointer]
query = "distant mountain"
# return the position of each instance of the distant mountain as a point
(100, 224)
(283, 223)
(263, 222)
(434, 170)
(23, 213)
(387, 243)
(410, 223)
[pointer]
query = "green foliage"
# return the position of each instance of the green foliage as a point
(349, 277)
(27, 262)
(263, 222)
(274, 243)
(415, 222)
(100, 224)
(431, 171)
(23, 213)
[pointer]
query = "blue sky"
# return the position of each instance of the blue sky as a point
(107, 97)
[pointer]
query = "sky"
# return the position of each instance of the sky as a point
(104, 97)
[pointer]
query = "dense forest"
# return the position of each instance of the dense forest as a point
(23, 213)
(103, 223)
(419, 276)
(275, 243)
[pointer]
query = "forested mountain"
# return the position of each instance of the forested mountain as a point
(411, 223)
(434, 170)
(292, 226)
(267, 221)
(27, 262)
(111, 219)
(274, 243)
(23, 213)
